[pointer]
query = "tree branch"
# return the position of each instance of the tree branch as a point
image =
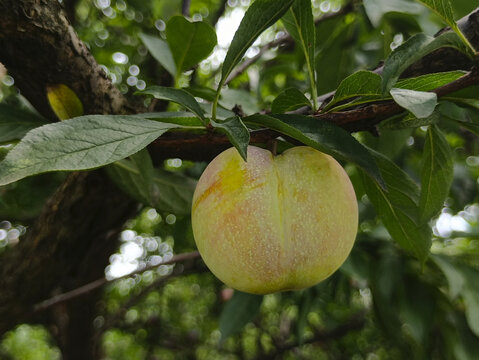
(85, 289)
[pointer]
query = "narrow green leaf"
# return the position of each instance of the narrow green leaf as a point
(408, 121)
(300, 25)
(414, 49)
(437, 171)
(240, 310)
(429, 82)
(236, 131)
(288, 100)
(375, 9)
(182, 118)
(420, 103)
(190, 42)
(64, 102)
(452, 273)
(259, 16)
(426, 82)
(178, 96)
(160, 50)
(16, 122)
(361, 83)
(463, 279)
(397, 208)
(322, 136)
(143, 162)
(444, 9)
(80, 143)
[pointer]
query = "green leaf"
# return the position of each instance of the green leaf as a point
(182, 118)
(300, 25)
(437, 172)
(259, 16)
(288, 100)
(444, 9)
(375, 9)
(413, 50)
(80, 143)
(144, 164)
(408, 121)
(429, 82)
(64, 102)
(190, 42)
(16, 122)
(360, 83)
(463, 279)
(323, 136)
(420, 103)
(452, 273)
(236, 131)
(178, 96)
(160, 50)
(240, 310)
(398, 208)
(171, 192)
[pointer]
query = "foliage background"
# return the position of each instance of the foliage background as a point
(382, 304)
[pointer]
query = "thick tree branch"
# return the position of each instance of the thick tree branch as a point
(39, 47)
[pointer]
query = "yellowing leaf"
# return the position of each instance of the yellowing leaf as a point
(64, 102)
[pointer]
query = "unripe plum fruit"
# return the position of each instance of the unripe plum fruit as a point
(274, 223)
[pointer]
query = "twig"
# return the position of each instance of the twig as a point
(185, 7)
(219, 13)
(284, 39)
(85, 289)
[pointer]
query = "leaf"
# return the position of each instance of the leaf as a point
(429, 82)
(178, 96)
(463, 279)
(437, 172)
(16, 122)
(190, 42)
(171, 192)
(236, 131)
(160, 50)
(408, 121)
(240, 310)
(375, 9)
(80, 143)
(259, 16)
(182, 118)
(64, 102)
(452, 273)
(397, 208)
(300, 25)
(420, 103)
(144, 164)
(444, 9)
(323, 136)
(411, 51)
(361, 83)
(289, 99)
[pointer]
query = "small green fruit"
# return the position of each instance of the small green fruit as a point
(274, 223)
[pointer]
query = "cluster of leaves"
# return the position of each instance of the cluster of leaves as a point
(424, 304)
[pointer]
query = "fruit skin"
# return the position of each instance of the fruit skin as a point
(274, 223)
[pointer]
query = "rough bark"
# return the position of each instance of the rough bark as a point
(71, 241)
(39, 47)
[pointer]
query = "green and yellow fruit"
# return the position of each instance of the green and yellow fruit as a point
(274, 223)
